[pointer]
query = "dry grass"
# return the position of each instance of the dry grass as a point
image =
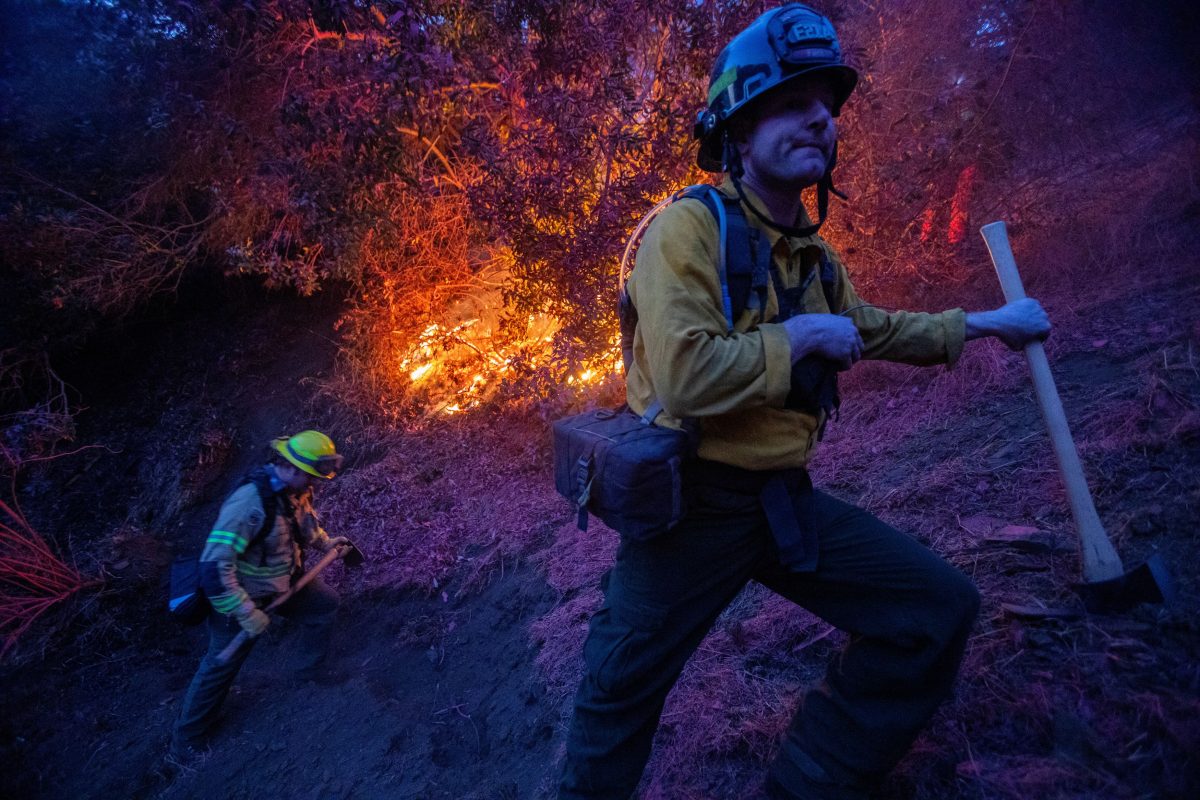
(33, 579)
(448, 505)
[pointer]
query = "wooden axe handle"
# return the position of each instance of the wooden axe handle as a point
(236, 643)
(1100, 559)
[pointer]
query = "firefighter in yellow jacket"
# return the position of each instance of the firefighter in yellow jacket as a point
(756, 373)
(252, 555)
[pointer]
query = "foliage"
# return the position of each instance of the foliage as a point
(32, 578)
(468, 173)
(42, 416)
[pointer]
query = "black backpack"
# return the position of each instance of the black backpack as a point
(187, 604)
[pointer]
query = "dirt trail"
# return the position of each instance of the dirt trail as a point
(457, 685)
(431, 699)
(435, 697)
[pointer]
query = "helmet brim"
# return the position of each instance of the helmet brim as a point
(709, 156)
(331, 463)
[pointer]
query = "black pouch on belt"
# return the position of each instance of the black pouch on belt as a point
(622, 468)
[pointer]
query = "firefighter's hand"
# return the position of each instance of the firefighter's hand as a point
(827, 335)
(1016, 324)
(254, 621)
(337, 541)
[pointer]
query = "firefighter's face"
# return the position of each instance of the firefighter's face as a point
(294, 479)
(789, 141)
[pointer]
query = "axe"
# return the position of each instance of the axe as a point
(348, 552)
(1106, 586)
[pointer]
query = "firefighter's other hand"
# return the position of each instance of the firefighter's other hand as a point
(254, 622)
(338, 541)
(1016, 324)
(827, 335)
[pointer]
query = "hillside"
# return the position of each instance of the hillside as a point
(402, 225)
(458, 646)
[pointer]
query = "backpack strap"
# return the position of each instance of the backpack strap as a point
(726, 215)
(270, 502)
(717, 204)
(744, 253)
(791, 299)
(829, 280)
(652, 412)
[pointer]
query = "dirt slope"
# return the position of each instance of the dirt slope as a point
(433, 692)
(459, 643)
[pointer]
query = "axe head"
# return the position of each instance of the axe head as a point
(1146, 583)
(351, 555)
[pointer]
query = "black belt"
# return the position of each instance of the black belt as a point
(786, 499)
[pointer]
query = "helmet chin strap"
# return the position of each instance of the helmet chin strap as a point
(733, 163)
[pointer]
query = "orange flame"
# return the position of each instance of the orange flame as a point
(459, 368)
(457, 363)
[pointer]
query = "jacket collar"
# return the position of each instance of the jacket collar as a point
(773, 236)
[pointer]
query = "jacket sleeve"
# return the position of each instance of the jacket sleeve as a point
(697, 368)
(241, 517)
(909, 337)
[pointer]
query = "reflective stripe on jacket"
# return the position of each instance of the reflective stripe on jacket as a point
(235, 567)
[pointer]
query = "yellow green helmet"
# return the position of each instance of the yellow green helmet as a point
(311, 451)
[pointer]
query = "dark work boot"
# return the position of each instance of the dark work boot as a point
(799, 777)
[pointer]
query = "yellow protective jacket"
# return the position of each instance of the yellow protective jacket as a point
(235, 567)
(735, 384)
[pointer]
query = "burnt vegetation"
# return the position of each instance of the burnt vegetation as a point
(470, 174)
(403, 221)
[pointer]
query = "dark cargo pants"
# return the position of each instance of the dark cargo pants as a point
(908, 613)
(314, 607)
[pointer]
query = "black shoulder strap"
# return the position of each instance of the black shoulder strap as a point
(725, 215)
(829, 279)
(744, 262)
(270, 502)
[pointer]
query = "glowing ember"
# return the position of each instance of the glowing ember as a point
(457, 365)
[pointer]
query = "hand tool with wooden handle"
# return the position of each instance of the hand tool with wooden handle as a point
(333, 555)
(1106, 586)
